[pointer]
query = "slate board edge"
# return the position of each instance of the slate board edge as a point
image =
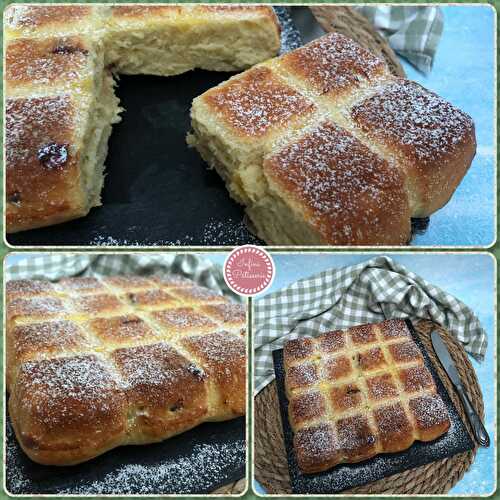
(69, 484)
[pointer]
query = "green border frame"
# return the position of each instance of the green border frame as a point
(493, 250)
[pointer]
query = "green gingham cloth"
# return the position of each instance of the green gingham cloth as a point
(369, 292)
(57, 265)
(412, 32)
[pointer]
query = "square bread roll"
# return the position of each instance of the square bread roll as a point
(323, 146)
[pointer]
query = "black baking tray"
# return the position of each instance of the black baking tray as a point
(346, 476)
(195, 462)
(157, 191)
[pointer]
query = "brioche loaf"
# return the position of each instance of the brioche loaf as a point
(324, 146)
(356, 393)
(60, 104)
(93, 364)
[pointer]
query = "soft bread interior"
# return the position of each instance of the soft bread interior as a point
(175, 49)
(103, 114)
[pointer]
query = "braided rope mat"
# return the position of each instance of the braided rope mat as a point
(271, 468)
(236, 488)
(348, 22)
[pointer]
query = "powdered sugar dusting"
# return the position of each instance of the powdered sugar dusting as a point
(27, 287)
(182, 318)
(257, 101)
(36, 306)
(44, 62)
(418, 123)
(63, 391)
(334, 63)
(205, 466)
(335, 176)
(53, 336)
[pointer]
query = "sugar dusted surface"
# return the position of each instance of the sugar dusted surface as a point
(217, 348)
(333, 64)
(71, 391)
(376, 376)
(418, 123)
(228, 313)
(27, 287)
(36, 306)
(93, 373)
(158, 375)
(198, 294)
(52, 336)
(121, 328)
(332, 176)
(183, 318)
(429, 411)
(61, 61)
(80, 285)
(37, 16)
(257, 102)
(151, 297)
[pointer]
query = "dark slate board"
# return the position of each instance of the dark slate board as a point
(346, 476)
(157, 190)
(195, 462)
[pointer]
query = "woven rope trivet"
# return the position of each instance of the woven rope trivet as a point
(235, 488)
(271, 468)
(350, 23)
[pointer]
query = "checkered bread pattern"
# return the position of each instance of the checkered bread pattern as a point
(356, 393)
(97, 363)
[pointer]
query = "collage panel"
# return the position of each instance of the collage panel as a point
(126, 374)
(232, 125)
(375, 374)
(249, 249)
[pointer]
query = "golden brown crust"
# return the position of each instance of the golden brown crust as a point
(28, 288)
(144, 11)
(52, 61)
(61, 54)
(41, 16)
(434, 140)
(357, 393)
(346, 192)
(42, 177)
(89, 369)
(333, 65)
(167, 390)
(71, 408)
(122, 329)
(222, 356)
(257, 102)
(358, 187)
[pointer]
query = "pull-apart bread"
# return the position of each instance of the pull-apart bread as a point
(93, 364)
(354, 394)
(59, 99)
(324, 146)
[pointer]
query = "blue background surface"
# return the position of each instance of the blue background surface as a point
(463, 73)
(470, 278)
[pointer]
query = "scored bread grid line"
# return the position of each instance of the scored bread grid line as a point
(338, 112)
(100, 349)
(370, 374)
(352, 352)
